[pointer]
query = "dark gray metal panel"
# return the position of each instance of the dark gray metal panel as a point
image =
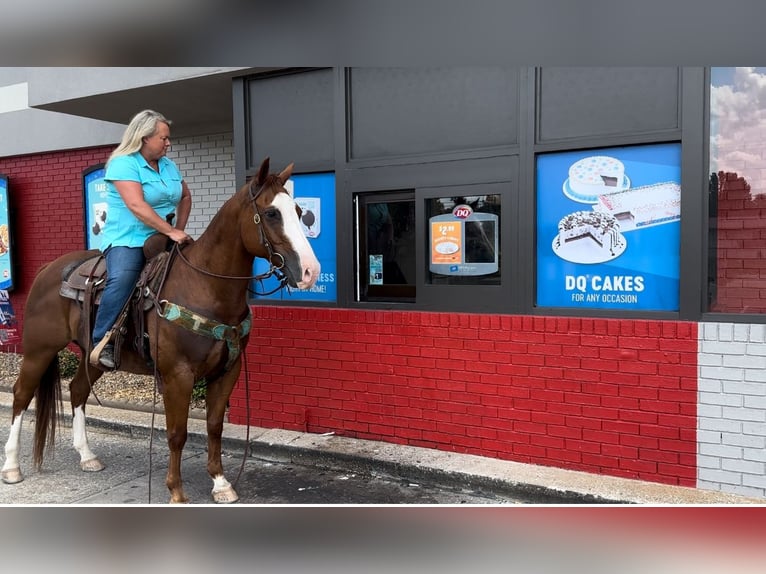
(291, 119)
(408, 111)
(694, 198)
(344, 213)
(442, 174)
(524, 246)
(239, 111)
(586, 102)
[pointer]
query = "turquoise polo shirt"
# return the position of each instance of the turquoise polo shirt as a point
(162, 190)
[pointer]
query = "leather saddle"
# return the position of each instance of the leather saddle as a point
(76, 277)
(84, 281)
(79, 277)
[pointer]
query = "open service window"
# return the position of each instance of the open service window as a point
(385, 246)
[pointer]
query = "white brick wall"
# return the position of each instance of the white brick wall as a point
(207, 165)
(731, 412)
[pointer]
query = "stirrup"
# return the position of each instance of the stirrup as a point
(96, 352)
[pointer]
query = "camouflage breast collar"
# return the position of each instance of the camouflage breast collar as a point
(196, 323)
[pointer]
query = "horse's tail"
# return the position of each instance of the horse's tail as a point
(47, 410)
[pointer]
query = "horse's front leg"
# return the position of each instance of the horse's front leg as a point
(79, 390)
(176, 396)
(216, 398)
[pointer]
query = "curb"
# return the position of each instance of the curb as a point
(528, 483)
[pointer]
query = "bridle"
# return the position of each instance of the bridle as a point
(276, 260)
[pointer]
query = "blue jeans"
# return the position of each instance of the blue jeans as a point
(123, 266)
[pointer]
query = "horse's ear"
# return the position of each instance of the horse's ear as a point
(263, 172)
(286, 173)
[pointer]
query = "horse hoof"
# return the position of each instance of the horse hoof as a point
(12, 476)
(225, 496)
(181, 501)
(92, 465)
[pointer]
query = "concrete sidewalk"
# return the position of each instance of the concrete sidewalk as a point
(535, 483)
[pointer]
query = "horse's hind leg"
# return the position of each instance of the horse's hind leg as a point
(216, 397)
(33, 367)
(79, 390)
(11, 472)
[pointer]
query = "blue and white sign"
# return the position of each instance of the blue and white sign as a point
(6, 249)
(95, 204)
(315, 195)
(9, 328)
(608, 228)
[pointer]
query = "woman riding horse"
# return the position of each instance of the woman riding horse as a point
(143, 187)
(208, 280)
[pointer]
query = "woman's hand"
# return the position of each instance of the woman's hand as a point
(179, 236)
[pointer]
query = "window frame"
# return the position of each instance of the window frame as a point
(382, 293)
(705, 234)
(469, 298)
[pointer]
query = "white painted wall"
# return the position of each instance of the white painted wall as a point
(731, 412)
(207, 165)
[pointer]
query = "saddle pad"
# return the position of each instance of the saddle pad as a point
(78, 294)
(76, 276)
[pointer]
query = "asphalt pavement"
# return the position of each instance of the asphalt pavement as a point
(290, 467)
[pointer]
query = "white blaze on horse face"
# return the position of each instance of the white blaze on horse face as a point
(292, 229)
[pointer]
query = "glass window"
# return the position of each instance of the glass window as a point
(463, 240)
(385, 261)
(737, 191)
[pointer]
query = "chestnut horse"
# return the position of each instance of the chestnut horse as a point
(208, 281)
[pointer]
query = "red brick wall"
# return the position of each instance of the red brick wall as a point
(741, 256)
(46, 200)
(607, 396)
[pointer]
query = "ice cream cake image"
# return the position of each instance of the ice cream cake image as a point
(589, 237)
(593, 176)
(643, 206)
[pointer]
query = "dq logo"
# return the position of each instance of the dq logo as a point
(462, 211)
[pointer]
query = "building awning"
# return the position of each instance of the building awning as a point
(196, 104)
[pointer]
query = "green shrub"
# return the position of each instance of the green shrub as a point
(68, 362)
(199, 391)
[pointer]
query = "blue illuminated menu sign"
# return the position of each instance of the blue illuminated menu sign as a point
(95, 204)
(609, 228)
(6, 247)
(315, 195)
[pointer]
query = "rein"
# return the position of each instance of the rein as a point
(275, 270)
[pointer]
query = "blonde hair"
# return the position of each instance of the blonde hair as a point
(143, 124)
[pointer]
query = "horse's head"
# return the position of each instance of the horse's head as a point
(273, 231)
